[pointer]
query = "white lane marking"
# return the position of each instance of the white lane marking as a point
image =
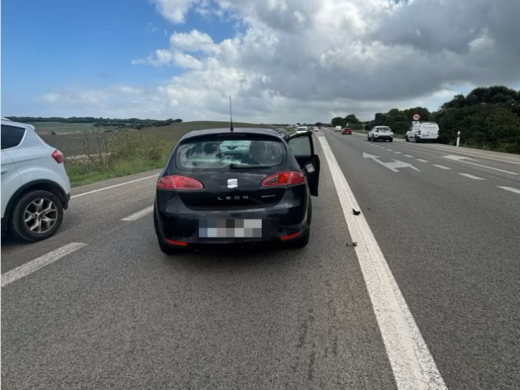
(441, 167)
(463, 159)
(40, 262)
(139, 214)
(407, 155)
(411, 361)
(114, 186)
(421, 160)
(471, 176)
(515, 190)
(465, 152)
(393, 165)
(397, 152)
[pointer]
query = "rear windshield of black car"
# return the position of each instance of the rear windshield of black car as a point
(231, 153)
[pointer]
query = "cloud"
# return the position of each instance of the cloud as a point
(153, 29)
(305, 60)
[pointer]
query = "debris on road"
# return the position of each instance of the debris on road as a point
(355, 212)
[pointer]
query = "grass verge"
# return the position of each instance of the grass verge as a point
(108, 157)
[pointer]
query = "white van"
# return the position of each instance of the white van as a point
(337, 128)
(423, 131)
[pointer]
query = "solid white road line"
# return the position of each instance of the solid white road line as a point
(515, 190)
(407, 155)
(471, 176)
(411, 361)
(421, 160)
(139, 214)
(441, 167)
(40, 262)
(114, 186)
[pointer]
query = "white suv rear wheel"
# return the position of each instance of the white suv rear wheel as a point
(37, 215)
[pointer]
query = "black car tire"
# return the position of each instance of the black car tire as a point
(406, 138)
(19, 227)
(166, 249)
(391, 140)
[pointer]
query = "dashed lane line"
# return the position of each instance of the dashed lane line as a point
(471, 176)
(421, 160)
(441, 167)
(40, 262)
(511, 189)
(407, 155)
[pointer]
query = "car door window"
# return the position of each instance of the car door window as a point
(12, 136)
(300, 146)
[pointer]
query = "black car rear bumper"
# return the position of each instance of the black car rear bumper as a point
(383, 138)
(280, 223)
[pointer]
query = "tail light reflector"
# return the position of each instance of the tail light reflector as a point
(179, 243)
(290, 236)
(178, 183)
(284, 179)
(57, 156)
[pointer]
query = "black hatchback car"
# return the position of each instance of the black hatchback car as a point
(236, 187)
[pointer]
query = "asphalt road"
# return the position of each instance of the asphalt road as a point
(115, 312)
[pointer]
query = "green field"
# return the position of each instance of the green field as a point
(114, 154)
(45, 128)
(73, 143)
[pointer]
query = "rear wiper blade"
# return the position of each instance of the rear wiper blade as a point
(240, 166)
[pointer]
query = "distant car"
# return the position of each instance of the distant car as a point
(209, 195)
(281, 132)
(423, 131)
(346, 131)
(380, 133)
(337, 128)
(35, 185)
(302, 130)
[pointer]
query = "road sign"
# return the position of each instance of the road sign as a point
(416, 117)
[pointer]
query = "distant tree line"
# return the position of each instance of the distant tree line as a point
(131, 123)
(488, 118)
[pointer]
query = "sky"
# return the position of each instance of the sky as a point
(282, 61)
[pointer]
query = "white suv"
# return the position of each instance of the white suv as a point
(383, 133)
(35, 185)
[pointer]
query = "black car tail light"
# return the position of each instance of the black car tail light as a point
(179, 183)
(284, 179)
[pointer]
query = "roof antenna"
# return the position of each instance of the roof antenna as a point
(231, 114)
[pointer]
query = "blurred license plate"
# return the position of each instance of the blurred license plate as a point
(230, 228)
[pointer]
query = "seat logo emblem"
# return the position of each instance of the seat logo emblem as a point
(232, 183)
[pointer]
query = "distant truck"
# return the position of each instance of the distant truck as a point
(423, 132)
(337, 128)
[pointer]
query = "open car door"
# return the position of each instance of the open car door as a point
(302, 147)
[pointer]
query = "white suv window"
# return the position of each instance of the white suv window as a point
(12, 136)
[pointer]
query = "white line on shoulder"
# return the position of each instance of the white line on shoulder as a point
(139, 214)
(114, 186)
(411, 361)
